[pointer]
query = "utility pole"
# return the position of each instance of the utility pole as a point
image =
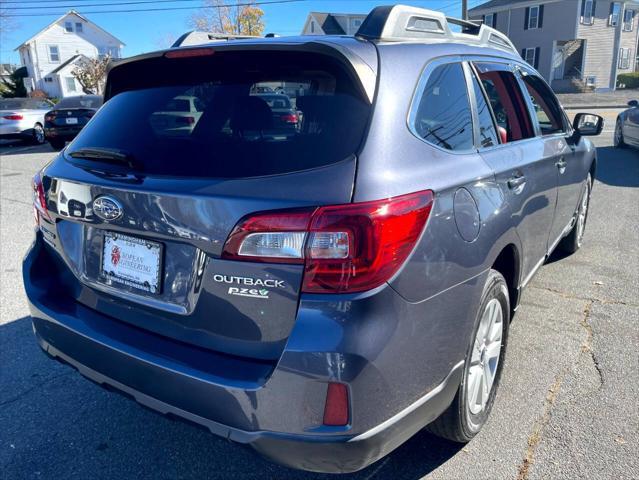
(465, 9)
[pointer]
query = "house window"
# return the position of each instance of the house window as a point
(530, 55)
(587, 12)
(615, 13)
(78, 27)
(70, 83)
(312, 27)
(356, 23)
(68, 27)
(48, 79)
(624, 58)
(533, 17)
(54, 54)
(489, 20)
(628, 20)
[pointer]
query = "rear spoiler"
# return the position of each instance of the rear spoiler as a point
(123, 74)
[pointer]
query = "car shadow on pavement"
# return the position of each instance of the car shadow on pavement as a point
(56, 424)
(618, 167)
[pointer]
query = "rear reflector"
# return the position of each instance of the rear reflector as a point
(13, 117)
(336, 407)
(190, 53)
(344, 248)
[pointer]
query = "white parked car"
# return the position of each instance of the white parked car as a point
(23, 118)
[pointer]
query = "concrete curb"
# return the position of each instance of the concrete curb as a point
(584, 107)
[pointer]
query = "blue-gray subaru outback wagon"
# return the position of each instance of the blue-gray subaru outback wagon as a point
(322, 281)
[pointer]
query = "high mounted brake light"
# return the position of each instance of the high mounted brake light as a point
(344, 248)
(190, 53)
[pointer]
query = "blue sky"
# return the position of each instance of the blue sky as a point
(146, 31)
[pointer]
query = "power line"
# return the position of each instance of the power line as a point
(163, 9)
(111, 4)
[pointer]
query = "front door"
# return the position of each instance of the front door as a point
(568, 158)
(558, 62)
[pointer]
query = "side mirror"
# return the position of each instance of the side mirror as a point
(633, 103)
(588, 124)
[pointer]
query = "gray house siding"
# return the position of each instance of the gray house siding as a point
(590, 51)
(558, 24)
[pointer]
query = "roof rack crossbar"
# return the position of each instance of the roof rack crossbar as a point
(400, 23)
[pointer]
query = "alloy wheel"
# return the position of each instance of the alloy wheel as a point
(485, 357)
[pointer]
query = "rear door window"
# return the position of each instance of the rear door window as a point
(443, 116)
(230, 115)
(506, 100)
(486, 123)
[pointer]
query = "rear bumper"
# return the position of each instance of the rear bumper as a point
(66, 133)
(278, 413)
(15, 131)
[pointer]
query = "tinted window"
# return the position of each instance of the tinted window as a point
(233, 131)
(508, 104)
(547, 109)
(88, 101)
(487, 132)
(443, 117)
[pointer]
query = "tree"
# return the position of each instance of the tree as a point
(221, 16)
(91, 73)
(14, 87)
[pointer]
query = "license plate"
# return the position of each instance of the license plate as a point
(72, 121)
(132, 262)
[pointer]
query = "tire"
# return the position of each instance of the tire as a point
(57, 144)
(618, 140)
(37, 137)
(573, 241)
(464, 418)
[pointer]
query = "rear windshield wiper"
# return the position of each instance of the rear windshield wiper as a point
(103, 154)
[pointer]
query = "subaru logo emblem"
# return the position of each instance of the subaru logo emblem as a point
(107, 208)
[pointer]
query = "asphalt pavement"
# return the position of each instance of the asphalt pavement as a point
(567, 408)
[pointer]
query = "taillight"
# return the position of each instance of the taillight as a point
(90, 113)
(289, 118)
(344, 248)
(39, 199)
(185, 120)
(49, 118)
(13, 117)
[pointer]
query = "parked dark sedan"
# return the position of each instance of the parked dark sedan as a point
(68, 117)
(284, 116)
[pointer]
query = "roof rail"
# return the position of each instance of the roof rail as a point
(400, 23)
(196, 37)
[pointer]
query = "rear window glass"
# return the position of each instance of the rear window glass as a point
(229, 115)
(92, 101)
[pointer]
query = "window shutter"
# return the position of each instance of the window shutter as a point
(594, 10)
(483, 19)
(495, 20)
(537, 51)
(523, 53)
(527, 18)
(612, 9)
(540, 22)
(583, 10)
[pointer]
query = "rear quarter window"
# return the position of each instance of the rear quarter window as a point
(443, 116)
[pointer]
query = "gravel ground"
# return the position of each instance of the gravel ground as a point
(567, 406)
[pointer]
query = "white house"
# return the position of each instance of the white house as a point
(51, 54)
(318, 23)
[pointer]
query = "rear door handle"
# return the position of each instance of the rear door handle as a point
(561, 165)
(517, 184)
